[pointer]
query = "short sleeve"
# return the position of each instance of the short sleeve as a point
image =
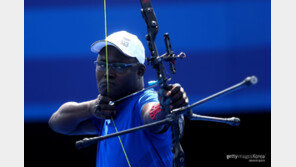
(147, 97)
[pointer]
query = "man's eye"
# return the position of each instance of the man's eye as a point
(119, 66)
(101, 65)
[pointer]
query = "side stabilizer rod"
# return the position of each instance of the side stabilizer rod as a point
(233, 121)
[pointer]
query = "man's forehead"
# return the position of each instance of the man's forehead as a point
(115, 55)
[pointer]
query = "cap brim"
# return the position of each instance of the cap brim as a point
(98, 45)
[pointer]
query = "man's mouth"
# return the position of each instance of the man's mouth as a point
(104, 84)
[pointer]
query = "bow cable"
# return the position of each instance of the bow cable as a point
(107, 74)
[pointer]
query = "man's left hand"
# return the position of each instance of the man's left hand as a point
(175, 96)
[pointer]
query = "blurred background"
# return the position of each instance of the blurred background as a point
(225, 41)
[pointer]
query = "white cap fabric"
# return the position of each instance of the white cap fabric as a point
(127, 43)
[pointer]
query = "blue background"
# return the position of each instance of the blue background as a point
(225, 41)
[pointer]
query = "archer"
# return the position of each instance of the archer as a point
(119, 71)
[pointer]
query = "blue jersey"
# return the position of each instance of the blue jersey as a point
(143, 148)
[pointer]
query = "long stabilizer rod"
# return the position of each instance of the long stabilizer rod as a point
(246, 82)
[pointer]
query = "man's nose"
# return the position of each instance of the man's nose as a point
(110, 72)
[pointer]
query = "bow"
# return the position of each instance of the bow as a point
(157, 63)
(176, 116)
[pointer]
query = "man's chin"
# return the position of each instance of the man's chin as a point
(111, 94)
(114, 93)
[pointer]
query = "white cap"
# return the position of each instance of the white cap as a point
(127, 43)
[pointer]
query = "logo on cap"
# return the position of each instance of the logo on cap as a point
(125, 41)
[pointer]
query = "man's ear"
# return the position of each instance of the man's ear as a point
(141, 70)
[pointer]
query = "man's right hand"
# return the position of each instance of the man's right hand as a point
(102, 109)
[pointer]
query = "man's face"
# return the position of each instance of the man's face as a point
(120, 83)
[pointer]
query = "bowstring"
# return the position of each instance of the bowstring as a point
(107, 74)
(106, 47)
